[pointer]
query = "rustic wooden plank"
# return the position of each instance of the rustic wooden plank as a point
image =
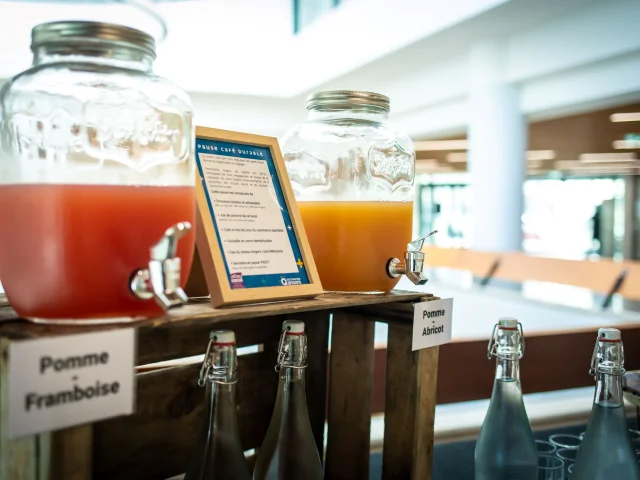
(71, 452)
(350, 382)
(398, 420)
(317, 330)
(409, 408)
(425, 412)
(199, 313)
(180, 335)
(167, 343)
(400, 313)
(159, 439)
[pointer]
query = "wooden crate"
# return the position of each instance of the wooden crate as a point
(156, 442)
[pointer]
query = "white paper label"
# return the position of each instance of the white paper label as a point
(60, 382)
(432, 323)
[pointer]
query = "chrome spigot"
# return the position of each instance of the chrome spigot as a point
(161, 281)
(413, 262)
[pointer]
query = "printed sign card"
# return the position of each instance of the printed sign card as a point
(432, 323)
(60, 382)
(250, 238)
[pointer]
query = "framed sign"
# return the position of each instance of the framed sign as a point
(250, 238)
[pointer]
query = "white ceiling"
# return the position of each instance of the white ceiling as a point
(247, 47)
(247, 71)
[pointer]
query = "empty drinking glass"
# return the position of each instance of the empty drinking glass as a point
(550, 468)
(568, 456)
(563, 440)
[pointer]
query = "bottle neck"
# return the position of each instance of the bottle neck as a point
(291, 364)
(292, 375)
(221, 405)
(608, 390)
(507, 369)
(607, 365)
(364, 115)
(99, 55)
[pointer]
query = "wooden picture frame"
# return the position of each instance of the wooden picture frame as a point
(235, 173)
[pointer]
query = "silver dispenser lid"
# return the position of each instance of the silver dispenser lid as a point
(83, 33)
(347, 100)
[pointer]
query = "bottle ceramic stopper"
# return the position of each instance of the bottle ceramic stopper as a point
(222, 337)
(609, 335)
(293, 327)
(508, 323)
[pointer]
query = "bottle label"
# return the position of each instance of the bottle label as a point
(432, 323)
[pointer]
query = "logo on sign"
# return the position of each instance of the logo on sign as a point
(290, 281)
(236, 280)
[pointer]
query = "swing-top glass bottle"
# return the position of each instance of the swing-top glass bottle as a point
(289, 450)
(219, 454)
(606, 451)
(506, 449)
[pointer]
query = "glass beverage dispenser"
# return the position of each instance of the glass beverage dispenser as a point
(352, 174)
(96, 178)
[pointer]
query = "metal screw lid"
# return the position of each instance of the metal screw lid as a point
(348, 100)
(70, 32)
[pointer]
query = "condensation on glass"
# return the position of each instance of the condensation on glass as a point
(352, 174)
(96, 177)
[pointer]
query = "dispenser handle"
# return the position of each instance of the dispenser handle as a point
(416, 245)
(161, 280)
(413, 262)
(167, 246)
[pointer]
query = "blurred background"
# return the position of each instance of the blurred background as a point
(499, 95)
(525, 116)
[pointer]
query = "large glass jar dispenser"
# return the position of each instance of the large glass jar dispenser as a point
(352, 174)
(96, 178)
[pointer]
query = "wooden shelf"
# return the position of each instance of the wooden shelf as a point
(180, 332)
(158, 439)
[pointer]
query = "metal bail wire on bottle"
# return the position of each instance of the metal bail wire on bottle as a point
(282, 353)
(210, 372)
(593, 369)
(492, 346)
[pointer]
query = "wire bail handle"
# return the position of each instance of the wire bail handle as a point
(211, 372)
(282, 353)
(594, 357)
(492, 346)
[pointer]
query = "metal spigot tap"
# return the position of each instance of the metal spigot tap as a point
(413, 262)
(161, 280)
